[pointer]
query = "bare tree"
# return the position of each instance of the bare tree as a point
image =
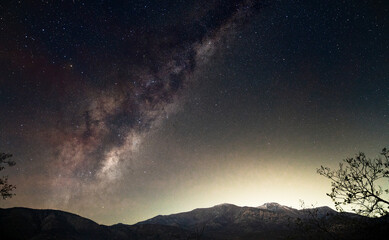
(361, 183)
(5, 188)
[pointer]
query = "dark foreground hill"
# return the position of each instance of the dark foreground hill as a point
(24, 223)
(225, 221)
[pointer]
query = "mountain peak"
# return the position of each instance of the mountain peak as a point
(273, 206)
(225, 205)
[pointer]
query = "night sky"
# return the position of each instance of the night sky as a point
(122, 110)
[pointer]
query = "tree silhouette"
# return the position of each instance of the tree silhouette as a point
(361, 183)
(5, 188)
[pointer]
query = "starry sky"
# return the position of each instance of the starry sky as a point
(122, 110)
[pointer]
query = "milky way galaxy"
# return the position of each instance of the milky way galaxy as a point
(104, 134)
(94, 130)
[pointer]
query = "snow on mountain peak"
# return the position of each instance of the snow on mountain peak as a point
(272, 206)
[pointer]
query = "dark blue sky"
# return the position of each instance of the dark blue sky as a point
(121, 110)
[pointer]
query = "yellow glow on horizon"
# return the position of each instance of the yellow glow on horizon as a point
(251, 184)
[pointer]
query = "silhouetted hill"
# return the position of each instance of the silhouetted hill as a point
(273, 221)
(25, 223)
(224, 221)
(228, 220)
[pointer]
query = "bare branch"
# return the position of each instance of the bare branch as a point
(5, 188)
(356, 183)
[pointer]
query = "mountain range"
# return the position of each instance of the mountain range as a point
(224, 221)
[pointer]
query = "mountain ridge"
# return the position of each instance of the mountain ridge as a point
(222, 221)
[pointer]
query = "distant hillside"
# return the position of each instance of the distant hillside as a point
(273, 221)
(225, 221)
(24, 223)
(228, 219)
